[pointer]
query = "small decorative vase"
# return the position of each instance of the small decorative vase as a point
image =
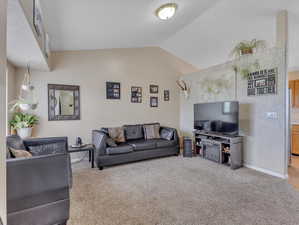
(24, 132)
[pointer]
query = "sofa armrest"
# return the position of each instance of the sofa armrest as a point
(37, 181)
(99, 141)
(175, 133)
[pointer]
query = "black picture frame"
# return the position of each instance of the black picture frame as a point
(154, 102)
(154, 89)
(113, 90)
(166, 95)
(136, 94)
(52, 102)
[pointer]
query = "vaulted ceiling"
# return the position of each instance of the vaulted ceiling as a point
(100, 24)
(202, 32)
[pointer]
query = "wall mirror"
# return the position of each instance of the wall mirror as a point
(63, 102)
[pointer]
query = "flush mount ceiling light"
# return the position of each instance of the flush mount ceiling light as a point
(166, 11)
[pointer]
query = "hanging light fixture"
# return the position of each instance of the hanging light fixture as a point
(166, 11)
(27, 100)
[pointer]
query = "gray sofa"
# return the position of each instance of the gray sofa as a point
(38, 187)
(135, 148)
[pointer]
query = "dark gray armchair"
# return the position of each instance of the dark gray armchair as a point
(38, 187)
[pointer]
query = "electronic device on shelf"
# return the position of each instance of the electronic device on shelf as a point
(217, 117)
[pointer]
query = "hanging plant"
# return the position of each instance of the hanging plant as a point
(243, 66)
(248, 47)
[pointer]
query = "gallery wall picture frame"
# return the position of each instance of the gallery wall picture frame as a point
(136, 94)
(166, 95)
(153, 102)
(154, 89)
(113, 90)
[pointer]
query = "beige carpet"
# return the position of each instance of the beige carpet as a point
(181, 191)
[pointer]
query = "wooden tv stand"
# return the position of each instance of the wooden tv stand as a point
(220, 148)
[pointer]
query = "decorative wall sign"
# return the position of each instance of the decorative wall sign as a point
(154, 101)
(262, 82)
(166, 95)
(112, 90)
(136, 94)
(154, 89)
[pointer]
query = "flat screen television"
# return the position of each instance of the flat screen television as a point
(220, 117)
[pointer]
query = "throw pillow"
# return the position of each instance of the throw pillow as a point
(167, 134)
(151, 131)
(111, 143)
(18, 153)
(117, 134)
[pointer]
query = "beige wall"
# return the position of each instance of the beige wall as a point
(264, 140)
(12, 91)
(3, 5)
(91, 69)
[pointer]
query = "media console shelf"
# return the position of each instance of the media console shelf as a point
(223, 149)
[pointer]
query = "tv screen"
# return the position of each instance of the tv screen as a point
(220, 117)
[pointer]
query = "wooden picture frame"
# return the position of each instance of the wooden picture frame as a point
(136, 94)
(154, 102)
(166, 95)
(113, 90)
(154, 89)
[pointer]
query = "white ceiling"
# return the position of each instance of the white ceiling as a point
(209, 39)
(100, 24)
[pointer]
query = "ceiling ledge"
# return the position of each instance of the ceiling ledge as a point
(23, 44)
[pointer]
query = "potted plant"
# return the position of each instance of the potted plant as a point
(248, 47)
(23, 123)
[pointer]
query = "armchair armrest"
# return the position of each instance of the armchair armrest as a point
(36, 181)
(99, 140)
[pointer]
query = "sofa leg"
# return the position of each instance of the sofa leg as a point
(101, 167)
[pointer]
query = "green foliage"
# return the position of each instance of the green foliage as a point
(247, 46)
(23, 120)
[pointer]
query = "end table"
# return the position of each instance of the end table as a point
(84, 148)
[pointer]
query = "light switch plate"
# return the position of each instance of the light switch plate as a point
(272, 115)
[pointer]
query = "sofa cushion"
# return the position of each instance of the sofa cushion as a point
(117, 134)
(151, 131)
(162, 143)
(110, 142)
(121, 149)
(140, 145)
(166, 133)
(133, 132)
(19, 153)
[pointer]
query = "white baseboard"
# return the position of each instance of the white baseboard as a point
(269, 172)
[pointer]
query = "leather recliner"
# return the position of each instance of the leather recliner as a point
(38, 187)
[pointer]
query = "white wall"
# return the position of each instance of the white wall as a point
(209, 39)
(264, 139)
(91, 70)
(3, 4)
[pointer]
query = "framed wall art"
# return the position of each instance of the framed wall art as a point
(154, 89)
(112, 90)
(154, 102)
(136, 94)
(166, 95)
